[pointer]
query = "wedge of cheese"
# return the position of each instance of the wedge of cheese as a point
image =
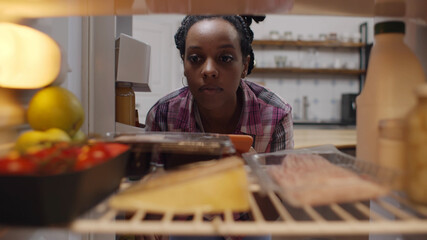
(209, 187)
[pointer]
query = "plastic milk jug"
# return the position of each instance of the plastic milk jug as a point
(393, 73)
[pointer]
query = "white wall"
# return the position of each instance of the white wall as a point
(323, 91)
(415, 38)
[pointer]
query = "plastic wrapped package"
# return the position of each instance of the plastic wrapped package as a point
(319, 176)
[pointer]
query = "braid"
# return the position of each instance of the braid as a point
(240, 23)
(247, 45)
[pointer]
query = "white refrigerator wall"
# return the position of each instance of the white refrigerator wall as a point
(68, 33)
(166, 71)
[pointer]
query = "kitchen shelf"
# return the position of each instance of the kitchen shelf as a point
(329, 44)
(355, 72)
(389, 215)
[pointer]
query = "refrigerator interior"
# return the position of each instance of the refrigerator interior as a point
(89, 44)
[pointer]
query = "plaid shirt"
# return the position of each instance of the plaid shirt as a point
(265, 116)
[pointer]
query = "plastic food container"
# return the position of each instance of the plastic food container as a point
(58, 199)
(320, 176)
(172, 149)
(242, 143)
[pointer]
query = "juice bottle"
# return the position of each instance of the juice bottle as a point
(393, 72)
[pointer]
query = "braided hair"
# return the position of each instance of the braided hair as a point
(240, 23)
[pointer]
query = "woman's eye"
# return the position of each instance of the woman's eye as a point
(194, 58)
(226, 58)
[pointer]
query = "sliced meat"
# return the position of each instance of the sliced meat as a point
(310, 179)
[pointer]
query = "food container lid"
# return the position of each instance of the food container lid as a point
(309, 177)
(179, 142)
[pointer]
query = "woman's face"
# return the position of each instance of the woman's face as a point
(213, 63)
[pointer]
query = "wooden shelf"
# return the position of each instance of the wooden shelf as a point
(310, 71)
(330, 44)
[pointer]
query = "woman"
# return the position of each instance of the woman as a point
(217, 56)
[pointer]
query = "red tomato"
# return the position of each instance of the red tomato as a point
(19, 166)
(59, 158)
(41, 155)
(92, 155)
(116, 148)
(60, 161)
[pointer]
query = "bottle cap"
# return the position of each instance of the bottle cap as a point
(390, 27)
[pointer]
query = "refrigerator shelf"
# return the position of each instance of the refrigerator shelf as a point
(388, 215)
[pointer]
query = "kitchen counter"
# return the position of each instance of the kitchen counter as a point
(339, 137)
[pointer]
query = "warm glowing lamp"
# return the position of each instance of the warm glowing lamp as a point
(28, 58)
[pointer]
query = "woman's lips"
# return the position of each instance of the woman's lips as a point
(210, 89)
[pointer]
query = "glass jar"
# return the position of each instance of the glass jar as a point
(416, 149)
(391, 148)
(125, 103)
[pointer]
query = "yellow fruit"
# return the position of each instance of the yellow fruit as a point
(79, 137)
(28, 140)
(35, 140)
(55, 107)
(57, 135)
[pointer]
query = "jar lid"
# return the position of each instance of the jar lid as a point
(390, 27)
(123, 84)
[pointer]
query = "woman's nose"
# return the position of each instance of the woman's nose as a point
(209, 69)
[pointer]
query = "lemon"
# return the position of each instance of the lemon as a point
(34, 140)
(55, 107)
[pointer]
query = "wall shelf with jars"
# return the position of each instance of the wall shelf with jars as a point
(301, 43)
(281, 65)
(309, 70)
(307, 66)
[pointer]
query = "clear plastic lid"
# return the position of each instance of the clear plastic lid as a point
(320, 175)
(179, 142)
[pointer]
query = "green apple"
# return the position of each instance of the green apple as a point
(79, 137)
